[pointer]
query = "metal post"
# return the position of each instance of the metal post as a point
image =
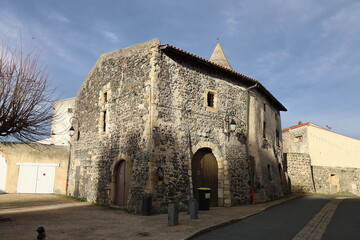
(173, 214)
(193, 208)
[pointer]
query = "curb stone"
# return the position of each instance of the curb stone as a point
(234, 220)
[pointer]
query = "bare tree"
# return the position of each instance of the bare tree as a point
(25, 99)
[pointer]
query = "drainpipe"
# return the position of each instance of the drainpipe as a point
(247, 140)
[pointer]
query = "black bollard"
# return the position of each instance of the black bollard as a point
(146, 205)
(173, 214)
(193, 208)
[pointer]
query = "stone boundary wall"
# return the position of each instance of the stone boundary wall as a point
(300, 172)
(321, 179)
(337, 180)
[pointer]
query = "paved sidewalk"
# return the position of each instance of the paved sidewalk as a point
(63, 218)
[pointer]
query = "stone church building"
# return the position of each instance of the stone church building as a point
(154, 119)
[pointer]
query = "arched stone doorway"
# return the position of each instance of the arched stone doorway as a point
(122, 182)
(205, 174)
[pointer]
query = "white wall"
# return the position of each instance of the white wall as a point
(60, 125)
(3, 170)
(331, 149)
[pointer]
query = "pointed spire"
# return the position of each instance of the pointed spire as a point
(218, 57)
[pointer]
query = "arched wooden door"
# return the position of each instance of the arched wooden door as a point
(122, 183)
(205, 174)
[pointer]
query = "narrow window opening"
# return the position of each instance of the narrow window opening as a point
(298, 138)
(269, 172)
(210, 99)
(105, 97)
(264, 107)
(104, 121)
(264, 130)
(277, 138)
(70, 110)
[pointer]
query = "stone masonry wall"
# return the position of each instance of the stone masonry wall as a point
(148, 107)
(337, 180)
(300, 172)
(124, 76)
(320, 179)
(265, 147)
(185, 124)
(296, 140)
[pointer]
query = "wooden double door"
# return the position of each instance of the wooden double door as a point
(205, 174)
(122, 183)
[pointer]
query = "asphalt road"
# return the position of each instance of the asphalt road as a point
(312, 217)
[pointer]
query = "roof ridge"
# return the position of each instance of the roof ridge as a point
(297, 126)
(231, 70)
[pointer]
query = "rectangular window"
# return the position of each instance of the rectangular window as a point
(264, 130)
(105, 97)
(269, 172)
(210, 99)
(298, 138)
(70, 110)
(104, 121)
(277, 138)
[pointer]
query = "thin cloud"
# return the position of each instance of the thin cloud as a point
(110, 36)
(58, 17)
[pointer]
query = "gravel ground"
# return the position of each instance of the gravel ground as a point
(64, 218)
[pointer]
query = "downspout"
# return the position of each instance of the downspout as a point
(247, 140)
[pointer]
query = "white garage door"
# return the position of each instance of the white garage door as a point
(3, 168)
(36, 177)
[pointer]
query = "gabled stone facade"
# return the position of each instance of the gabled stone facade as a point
(151, 119)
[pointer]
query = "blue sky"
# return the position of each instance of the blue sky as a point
(305, 52)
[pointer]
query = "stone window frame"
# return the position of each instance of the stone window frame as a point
(104, 97)
(215, 100)
(104, 100)
(103, 121)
